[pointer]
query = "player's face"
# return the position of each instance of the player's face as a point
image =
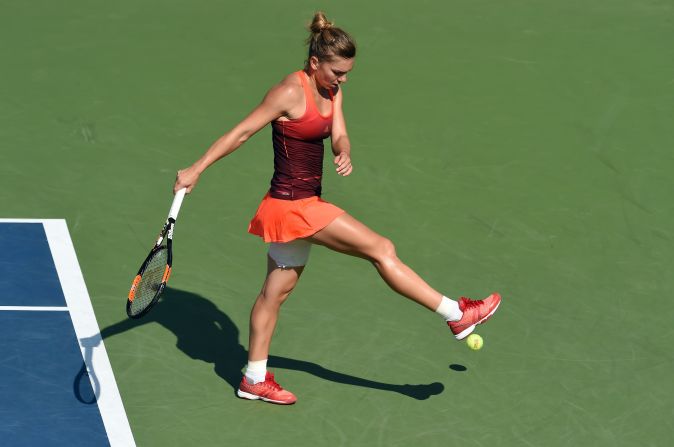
(331, 73)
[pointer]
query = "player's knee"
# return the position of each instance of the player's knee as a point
(389, 249)
(386, 251)
(277, 296)
(284, 294)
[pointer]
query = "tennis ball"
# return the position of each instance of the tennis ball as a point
(474, 342)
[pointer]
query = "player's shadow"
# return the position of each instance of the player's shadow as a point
(206, 333)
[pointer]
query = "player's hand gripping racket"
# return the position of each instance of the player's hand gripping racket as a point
(153, 274)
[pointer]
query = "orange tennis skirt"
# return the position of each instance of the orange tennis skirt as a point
(278, 220)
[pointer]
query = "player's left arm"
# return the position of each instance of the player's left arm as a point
(341, 146)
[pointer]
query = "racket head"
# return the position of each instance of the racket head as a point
(150, 281)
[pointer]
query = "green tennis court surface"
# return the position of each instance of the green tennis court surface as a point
(523, 147)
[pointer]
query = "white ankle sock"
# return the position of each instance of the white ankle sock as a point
(256, 371)
(449, 309)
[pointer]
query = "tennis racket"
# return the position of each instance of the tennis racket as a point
(153, 274)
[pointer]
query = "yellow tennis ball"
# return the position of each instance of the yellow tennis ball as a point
(474, 342)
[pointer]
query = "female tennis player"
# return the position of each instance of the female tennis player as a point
(304, 109)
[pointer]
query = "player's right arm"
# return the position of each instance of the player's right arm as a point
(275, 104)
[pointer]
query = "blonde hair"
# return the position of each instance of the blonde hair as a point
(327, 40)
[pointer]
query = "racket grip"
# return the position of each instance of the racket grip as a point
(177, 202)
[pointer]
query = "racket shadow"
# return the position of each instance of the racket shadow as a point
(86, 386)
(206, 333)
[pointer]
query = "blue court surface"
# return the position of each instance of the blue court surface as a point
(56, 383)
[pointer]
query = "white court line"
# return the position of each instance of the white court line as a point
(84, 320)
(35, 308)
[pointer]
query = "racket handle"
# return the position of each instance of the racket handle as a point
(177, 201)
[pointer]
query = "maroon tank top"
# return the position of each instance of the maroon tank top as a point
(298, 150)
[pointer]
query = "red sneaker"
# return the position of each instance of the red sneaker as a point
(268, 391)
(474, 312)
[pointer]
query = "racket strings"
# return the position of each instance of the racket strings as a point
(150, 281)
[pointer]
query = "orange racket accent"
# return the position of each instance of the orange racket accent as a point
(132, 292)
(167, 273)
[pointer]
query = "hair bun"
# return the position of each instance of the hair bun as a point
(327, 41)
(319, 23)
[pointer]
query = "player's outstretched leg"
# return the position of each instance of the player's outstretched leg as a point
(347, 235)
